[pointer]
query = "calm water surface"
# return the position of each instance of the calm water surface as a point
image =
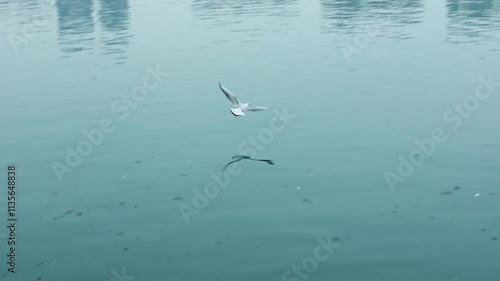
(392, 152)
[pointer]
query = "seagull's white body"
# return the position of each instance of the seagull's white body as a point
(240, 107)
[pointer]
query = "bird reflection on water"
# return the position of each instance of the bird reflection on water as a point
(238, 158)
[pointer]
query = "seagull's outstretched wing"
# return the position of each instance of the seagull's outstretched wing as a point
(234, 161)
(229, 95)
(256, 108)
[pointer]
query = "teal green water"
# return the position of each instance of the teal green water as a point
(392, 153)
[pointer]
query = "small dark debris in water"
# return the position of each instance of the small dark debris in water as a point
(286, 186)
(68, 212)
(229, 236)
(138, 238)
(91, 225)
(335, 239)
(306, 200)
(483, 230)
(257, 246)
(138, 162)
(218, 242)
(494, 238)
(79, 214)
(3, 275)
(432, 217)
(54, 193)
(456, 188)
(492, 194)
(394, 211)
(39, 264)
(39, 278)
(125, 249)
(153, 156)
(445, 193)
(122, 203)
(396, 207)
(183, 174)
(119, 234)
(188, 253)
(178, 198)
(135, 207)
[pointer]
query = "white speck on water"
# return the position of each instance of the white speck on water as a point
(477, 194)
(124, 176)
(53, 263)
(189, 160)
(298, 187)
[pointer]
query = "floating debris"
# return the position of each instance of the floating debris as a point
(125, 249)
(138, 162)
(298, 187)
(445, 193)
(456, 188)
(306, 200)
(178, 198)
(477, 194)
(119, 234)
(492, 194)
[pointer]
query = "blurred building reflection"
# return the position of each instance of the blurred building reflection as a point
(473, 20)
(219, 9)
(114, 20)
(75, 25)
(348, 16)
(105, 32)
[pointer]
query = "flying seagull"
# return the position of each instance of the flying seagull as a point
(238, 158)
(240, 108)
